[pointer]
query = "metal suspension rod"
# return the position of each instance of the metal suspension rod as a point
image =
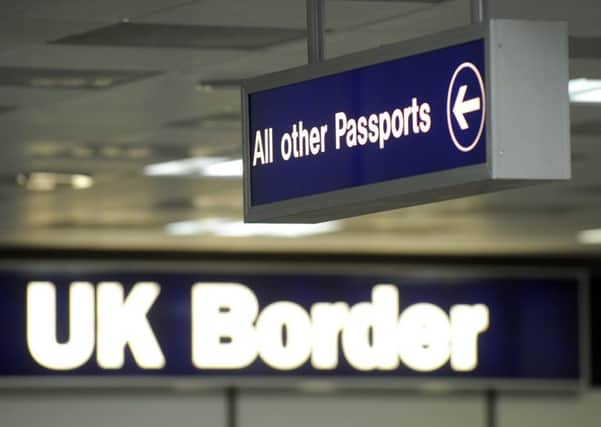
(315, 30)
(491, 409)
(479, 11)
(231, 407)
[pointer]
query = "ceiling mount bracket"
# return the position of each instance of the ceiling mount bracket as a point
(315, 30)
(479, 9)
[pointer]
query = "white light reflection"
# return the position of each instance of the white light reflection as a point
(197, 166)
(585, 90)
(231, 228)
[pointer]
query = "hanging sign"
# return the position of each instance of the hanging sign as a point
(454, 114)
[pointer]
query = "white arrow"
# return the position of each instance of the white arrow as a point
(462, 107)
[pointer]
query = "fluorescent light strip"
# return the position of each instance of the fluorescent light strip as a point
(49, 181)
(590, 237)
(224, 169)
(197, 166)
(585, 91)
(231, 228)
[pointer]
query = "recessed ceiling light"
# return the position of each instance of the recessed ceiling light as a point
(138, 153)
(156, 36)
(68, 79)
(230, 168)
(197, 166)
(590, 237)
(81, 182)
(208, 86)
(232, 228)
(585, 90)
(48, 181)
(77, 150)
(80, 151)
(228, 119)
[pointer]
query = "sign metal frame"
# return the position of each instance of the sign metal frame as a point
(522, 147)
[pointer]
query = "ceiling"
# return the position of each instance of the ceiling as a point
(84, 89)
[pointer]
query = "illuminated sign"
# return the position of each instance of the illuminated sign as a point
(373, 336)
(424, 337)
(412, 123)
(207, 326)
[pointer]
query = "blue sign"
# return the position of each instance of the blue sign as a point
(244, 326)
(402, 118)
(416, 122)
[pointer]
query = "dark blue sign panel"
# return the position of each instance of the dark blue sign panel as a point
(402, 118)
(290, 325)
(595, 322)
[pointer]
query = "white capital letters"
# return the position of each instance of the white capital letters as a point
(41, 325)
(223, 336)
(229, 332)
(258, 155)
(340, 119)
(122, 323)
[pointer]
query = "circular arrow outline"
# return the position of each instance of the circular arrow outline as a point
(457, 144)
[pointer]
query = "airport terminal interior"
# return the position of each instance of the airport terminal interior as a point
(134, 293)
